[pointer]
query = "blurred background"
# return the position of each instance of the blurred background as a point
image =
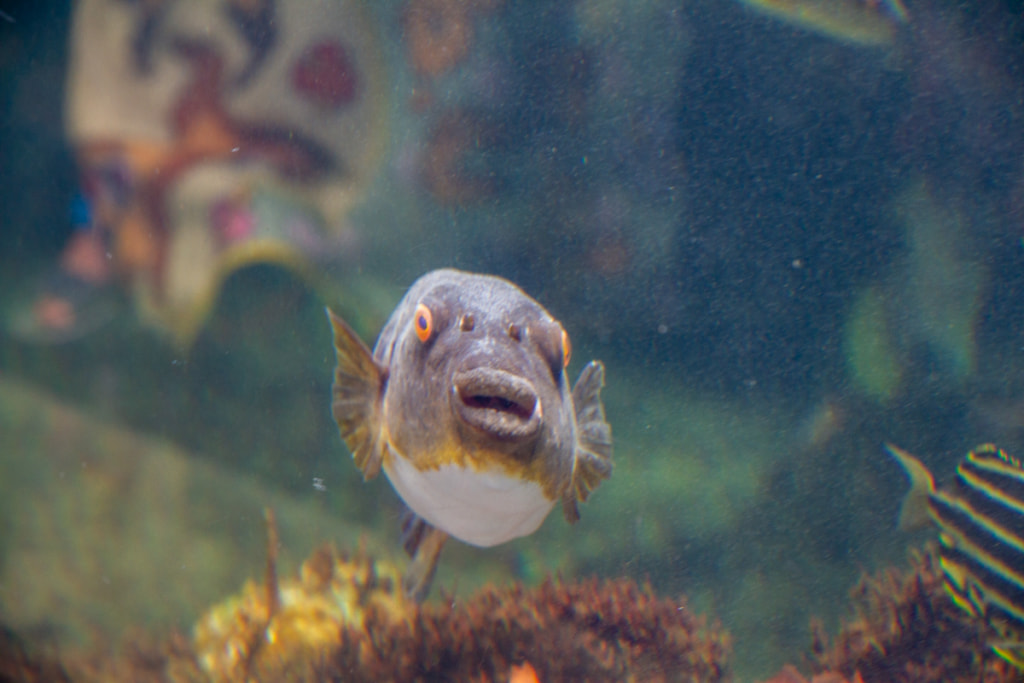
(792, 230)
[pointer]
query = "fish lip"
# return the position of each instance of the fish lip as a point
(500, 404)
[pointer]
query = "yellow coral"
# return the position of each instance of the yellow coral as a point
(269, 629)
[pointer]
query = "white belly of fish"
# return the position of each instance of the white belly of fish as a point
(479, 508)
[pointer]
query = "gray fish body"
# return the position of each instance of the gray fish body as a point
(465, 405)
(423, 401)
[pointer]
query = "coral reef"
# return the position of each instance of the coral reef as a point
(789, 674)
(908, 630)
(17, 663)
(273, 630)
(344, 618)
(587, 631)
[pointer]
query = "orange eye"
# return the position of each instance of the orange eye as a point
(423, 321)
(566, 349)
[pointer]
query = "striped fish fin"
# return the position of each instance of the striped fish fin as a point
(914, 512)
(980, 593)
(983, 553)
(1011, 652)
(983, 596)
(984, 574)
(955, 583)
(981, 517)
(998, 477)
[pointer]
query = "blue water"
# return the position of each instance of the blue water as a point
(787, 247)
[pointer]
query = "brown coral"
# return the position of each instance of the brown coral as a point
(344, 618)
(586, 631)
(275, 631)
(17, 663)
(907, 630)
(789, 674)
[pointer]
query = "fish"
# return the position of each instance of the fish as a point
(980, 516)
(465, 405)
(894, 8)
(856, 22)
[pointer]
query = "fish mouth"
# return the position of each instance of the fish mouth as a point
(497, 403)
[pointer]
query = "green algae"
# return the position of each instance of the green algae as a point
(872, 359)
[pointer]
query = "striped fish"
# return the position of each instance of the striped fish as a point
(981, 520)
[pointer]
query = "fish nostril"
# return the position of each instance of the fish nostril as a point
(467, 323)
(515, 332)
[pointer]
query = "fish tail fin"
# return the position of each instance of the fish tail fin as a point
(356, 397)
(593, 442)
(424, 543)
(898, 10)
(914, 512)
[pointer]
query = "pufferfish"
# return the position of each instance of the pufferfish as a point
(465, 405)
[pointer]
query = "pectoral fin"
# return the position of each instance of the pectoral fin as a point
(593, 441)
(357, 397)
(914, 512)
(423, 542)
